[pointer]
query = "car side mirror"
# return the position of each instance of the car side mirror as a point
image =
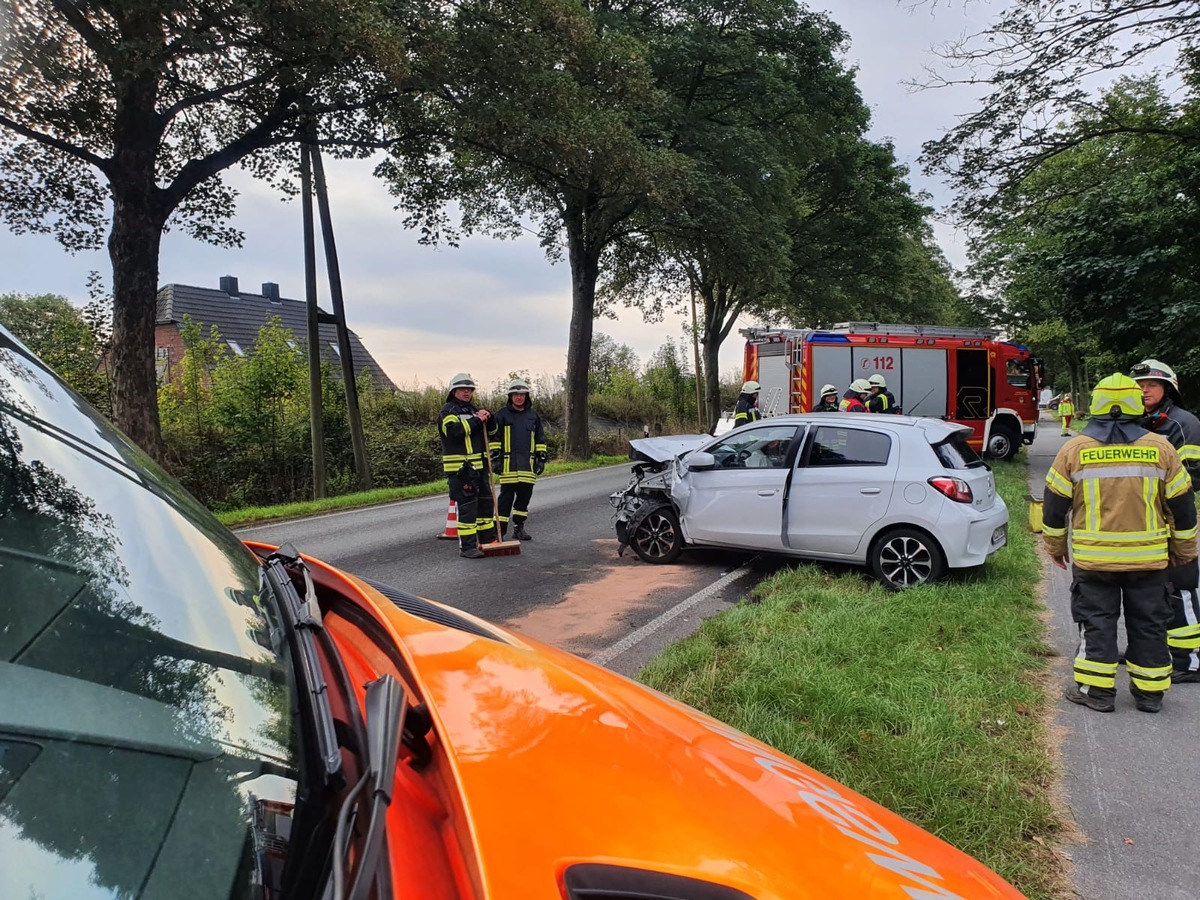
(699, 460)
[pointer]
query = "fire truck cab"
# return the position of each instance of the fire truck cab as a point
(963, 375)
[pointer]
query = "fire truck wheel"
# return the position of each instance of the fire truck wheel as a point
(905, 557)
(1003, 442)
(657, 538)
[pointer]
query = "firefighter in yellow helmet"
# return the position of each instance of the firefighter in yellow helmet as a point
(747, 405)
(1132, 512)
(829, 399)
(1164, 415)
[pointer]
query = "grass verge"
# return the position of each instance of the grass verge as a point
(256, 515)
(930, 702)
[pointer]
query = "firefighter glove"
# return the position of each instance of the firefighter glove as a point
(497, 457)
(539, 464)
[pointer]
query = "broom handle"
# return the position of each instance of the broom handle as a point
(487, 454)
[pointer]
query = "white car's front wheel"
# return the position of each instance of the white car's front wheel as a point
(656, 538)
(904, 557)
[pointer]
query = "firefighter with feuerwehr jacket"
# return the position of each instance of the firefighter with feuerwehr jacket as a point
(1164, 415)
(462, 427)
(1132, 512)
(518, 457)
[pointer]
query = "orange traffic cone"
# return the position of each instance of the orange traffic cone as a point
(451, 532)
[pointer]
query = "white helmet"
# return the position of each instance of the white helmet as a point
(828, 389)
(751, 387)
(860, 386)
(517, 386)
(877, 380)
(462, 380)
(1152, 369)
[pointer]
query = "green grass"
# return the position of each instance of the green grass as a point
(253, 515)
(930, 701)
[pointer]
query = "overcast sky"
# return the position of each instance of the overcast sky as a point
(491, 306)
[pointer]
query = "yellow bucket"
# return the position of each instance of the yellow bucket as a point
(1035, 513)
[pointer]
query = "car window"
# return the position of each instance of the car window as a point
(956, 453)
(754, 448)
(834, 446)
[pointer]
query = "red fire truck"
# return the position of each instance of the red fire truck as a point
(963, 375)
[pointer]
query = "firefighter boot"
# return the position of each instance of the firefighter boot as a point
(469, 549)
(1148, 701)
(1093, 699)
(519, 532)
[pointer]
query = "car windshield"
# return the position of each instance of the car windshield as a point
(146, 736)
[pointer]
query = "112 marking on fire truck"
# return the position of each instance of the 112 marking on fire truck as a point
(964, 375)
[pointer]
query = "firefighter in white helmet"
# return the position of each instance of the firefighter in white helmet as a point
(1131, 511)
(461, 427)
(854, 398)
(881, 400)
(829, 399)
(747, 405)
(518, 457)
(1160, 393)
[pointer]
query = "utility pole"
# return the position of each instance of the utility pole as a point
(316, 406)
(362, 465)
(696, 356)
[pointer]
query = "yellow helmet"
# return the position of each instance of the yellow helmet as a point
(1117, 396)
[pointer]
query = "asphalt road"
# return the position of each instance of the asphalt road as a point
(1130, 776)
(568, 587)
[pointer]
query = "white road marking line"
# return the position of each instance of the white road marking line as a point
(604, 657)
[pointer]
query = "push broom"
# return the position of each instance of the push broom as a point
(497, 547)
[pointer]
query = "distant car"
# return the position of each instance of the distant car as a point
(186, 716)
(906, 497)
(1053, 402)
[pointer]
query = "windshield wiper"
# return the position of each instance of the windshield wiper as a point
(387, 704)
(302, 619)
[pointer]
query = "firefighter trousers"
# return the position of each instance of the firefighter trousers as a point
(1097, 599)
(514, 501)
(471, 492)
(1183, 635)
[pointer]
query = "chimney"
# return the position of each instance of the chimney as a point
(270, 290)
(229, 285)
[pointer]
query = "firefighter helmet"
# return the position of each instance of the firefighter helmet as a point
(751, 387)
(877, 380)
(860, 386)
(462, 380)
(829, 389)
(1152, 369)
(1117, 396)
(517, 386)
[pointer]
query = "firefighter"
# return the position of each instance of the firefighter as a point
(829, 399)
(461, 426)
(747, 405)
(852, 400)
(1066, 409)
(1160, 393)
(518, 457)
(881, 400)
(1130, 505)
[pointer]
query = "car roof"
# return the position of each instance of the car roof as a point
(936, 430)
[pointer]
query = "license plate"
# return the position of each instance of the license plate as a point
(1000, 536)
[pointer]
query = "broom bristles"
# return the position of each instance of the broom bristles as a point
(501, 548)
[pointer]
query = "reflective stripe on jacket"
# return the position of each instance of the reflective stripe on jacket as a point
(851, 404)
(1129, 505)
(1066, 408)
(745, 413)
(462, 436)
(1182, 429)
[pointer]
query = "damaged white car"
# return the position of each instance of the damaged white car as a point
(906, 497)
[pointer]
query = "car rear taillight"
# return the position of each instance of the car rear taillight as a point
(953, 488)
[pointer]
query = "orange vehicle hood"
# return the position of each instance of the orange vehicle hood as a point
(560, 761)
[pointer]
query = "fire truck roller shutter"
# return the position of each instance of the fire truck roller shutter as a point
(830, 365)
(773, 376)
(885, 360)
(924, 382)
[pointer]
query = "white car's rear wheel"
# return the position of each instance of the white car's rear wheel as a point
(905, 557)
(657, 538)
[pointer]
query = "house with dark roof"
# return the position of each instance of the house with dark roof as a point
(238, 316)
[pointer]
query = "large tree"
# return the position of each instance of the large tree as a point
(123, 115)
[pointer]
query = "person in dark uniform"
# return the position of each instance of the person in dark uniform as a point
(747, 405)
(518, 457)
(829, 399)
(881, 400)
(461, 427)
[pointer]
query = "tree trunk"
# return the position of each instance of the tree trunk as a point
(584, 256)
(712, 378)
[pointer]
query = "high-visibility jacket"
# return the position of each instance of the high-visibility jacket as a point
(519, 437)
(851, 403)
(1182, 429)
(745, 413)
(1130, 505)
(462, 436)
(1066, 408)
